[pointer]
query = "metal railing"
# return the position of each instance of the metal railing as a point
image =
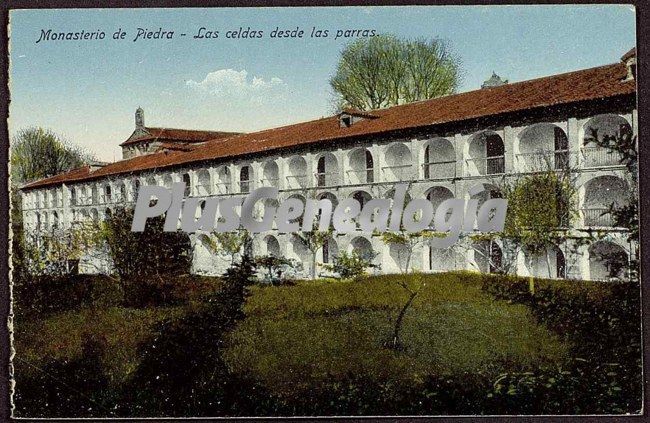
(540, 161)
(398, 173)
(364, 176)
(600, 157)
(327, 179)
(494, 165)
(223, 187)
(203, 189)
(597, 217)
(296, 181)
(440, 170)
(270, 182)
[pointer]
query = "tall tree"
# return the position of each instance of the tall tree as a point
(385, 71)
(40, 153)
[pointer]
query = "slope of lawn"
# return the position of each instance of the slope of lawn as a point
(295, 337)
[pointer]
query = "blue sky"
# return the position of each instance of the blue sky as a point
(87, 91)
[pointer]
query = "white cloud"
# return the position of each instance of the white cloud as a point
(232, 84)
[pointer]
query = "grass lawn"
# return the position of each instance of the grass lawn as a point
(296, 336)
(62, 336)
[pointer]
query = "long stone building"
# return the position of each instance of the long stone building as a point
(453, 146)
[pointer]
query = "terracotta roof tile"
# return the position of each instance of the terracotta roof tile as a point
(173, 134)
(583, 85)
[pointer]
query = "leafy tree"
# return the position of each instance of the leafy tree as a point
(227, 244)
(38, 153)
(274, 266)
(153, 252)
(352, 265)
(385, 71)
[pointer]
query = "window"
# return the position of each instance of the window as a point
(107, 192)
(561, 149)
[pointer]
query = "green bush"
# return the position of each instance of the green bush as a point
(351, 266)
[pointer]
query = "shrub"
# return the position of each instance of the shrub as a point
(350, 266)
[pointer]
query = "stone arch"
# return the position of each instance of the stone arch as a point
(607, 261)
(439, 159)
(272, 246)
(599, 194)
(362, 246)
(362, 166)
(399, 162)
(224, 180)
(327, 170)
(542, 146)
(604, 125)
(203, 182)
(298, 170)
(270, 174)
(486, 153)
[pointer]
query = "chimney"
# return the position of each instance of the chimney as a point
(139, 118)
(494, 81)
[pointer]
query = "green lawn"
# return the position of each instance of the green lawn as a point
(295, 336)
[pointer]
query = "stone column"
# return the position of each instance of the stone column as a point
(509, 146)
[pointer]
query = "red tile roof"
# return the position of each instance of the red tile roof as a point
(184, 135)
(631, 53)
(583, 85)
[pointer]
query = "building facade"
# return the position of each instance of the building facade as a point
(455, 146)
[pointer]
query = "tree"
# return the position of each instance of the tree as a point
(38, 153)
(274, 266)
(407, 243)
(384, 71)
(313, 240)
(227, 244)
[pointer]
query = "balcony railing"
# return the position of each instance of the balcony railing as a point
(440, 170)
(597, 217)
(270, 182)
(223, 187)
(203, 189)
(600, 157)
(327, 179)
(296, 181)
(364, 176)
(244, 186)
(398, 173)
(540, 161)
(494, 165)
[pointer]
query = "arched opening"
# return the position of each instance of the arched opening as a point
(123, 192)
(55, 220)
(437, 195)
(607, 261)
(187, 180)
(486, 154)
(550, 263)
(94, 195)
(362, 246)
(167, 181)
(270, 174)
(203, 184)
(542, 147)
(439, 159)
(272, 246)
(488, 256)
(108, 213)
(108, 194)
(223, 180)
(362, 197)
(602, 127)
(399, 163)
(484, 192)
(245, 178)
(600, 194)
(361, 166)
(329, 250)
(73, 197)
(327, 170)
(297, 177)
(299, 250)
